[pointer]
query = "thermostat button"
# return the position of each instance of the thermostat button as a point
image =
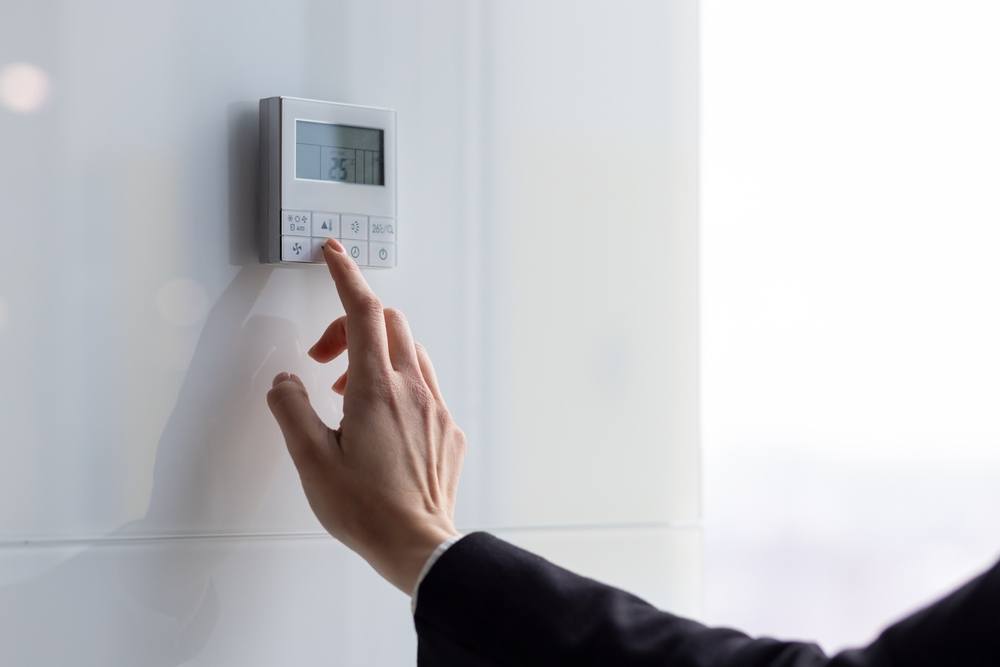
(357, 250)
(354, 226)
(296, 249)
(317, 250)
(382, 229)
(296, 223)
(326, 225)
(381, 254)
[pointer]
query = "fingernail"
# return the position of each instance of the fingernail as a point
(312, 350)
(334, 245)
(279, 378)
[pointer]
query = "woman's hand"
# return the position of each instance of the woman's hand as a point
(383, 483)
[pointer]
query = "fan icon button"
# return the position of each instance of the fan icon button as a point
(354, 227)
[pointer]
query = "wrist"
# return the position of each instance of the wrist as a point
(404, 563)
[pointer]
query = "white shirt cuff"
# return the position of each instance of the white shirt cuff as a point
(428, 564)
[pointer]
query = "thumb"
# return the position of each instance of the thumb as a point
(304, 431)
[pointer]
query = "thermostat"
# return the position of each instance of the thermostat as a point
(327, 170)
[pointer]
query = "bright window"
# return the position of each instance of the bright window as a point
(851, 309)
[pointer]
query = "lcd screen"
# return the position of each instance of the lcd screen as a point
(343, 153)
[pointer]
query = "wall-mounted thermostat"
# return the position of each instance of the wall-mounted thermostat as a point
(327, 170)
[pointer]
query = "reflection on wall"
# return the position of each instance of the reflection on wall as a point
(148, 511)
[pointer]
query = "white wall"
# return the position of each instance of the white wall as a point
(148, 512)
(849, 293)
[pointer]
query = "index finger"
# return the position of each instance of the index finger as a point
(367, 343)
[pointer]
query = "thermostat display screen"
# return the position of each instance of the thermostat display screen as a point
(343, 153)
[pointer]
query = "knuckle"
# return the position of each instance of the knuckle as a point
(461, 443)
(370, 304)
(448, 426)
(418, 392)
(383, 385)
(421, 395)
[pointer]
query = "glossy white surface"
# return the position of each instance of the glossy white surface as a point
(589, 146)
(209, 603)
(249, 602)
(142, 169)
(571, 366)
(138, 345)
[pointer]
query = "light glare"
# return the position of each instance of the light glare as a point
(24, 87)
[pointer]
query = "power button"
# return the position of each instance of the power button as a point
(382, 254)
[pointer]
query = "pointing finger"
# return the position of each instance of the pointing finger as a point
(367, 342)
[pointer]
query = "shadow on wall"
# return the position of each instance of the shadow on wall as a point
(161, 609)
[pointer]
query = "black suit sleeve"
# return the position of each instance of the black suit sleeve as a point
(487, 602)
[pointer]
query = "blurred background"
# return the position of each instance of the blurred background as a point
(850, 227)
(708, 285)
